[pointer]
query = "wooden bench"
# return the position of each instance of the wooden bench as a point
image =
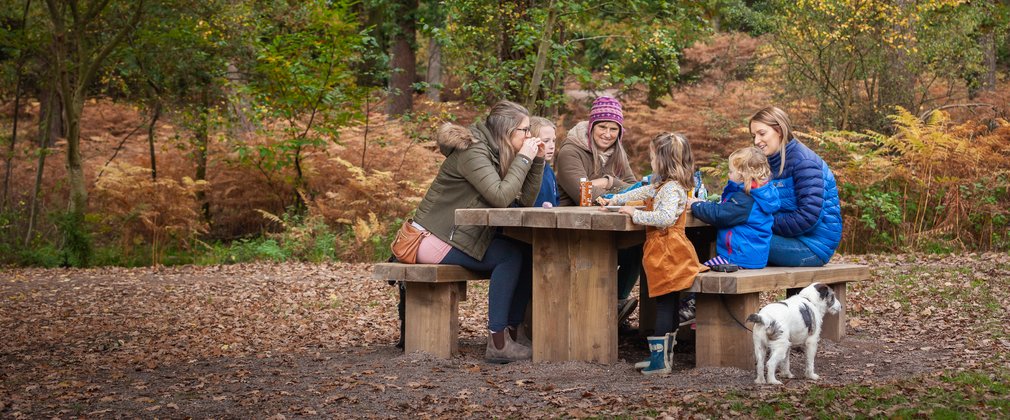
(432, 308)
(724, 300)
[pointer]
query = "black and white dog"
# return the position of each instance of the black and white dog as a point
(791, 322)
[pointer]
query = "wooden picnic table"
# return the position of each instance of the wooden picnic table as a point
(574, 274)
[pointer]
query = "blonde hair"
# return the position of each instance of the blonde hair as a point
(674, 160)
(539, 123)
(752, 165)
(779, 121)
(502, 120)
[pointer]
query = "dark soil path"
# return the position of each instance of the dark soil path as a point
(294, 340)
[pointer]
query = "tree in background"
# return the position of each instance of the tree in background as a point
(303, 78)
(861, 59)
(179, 59)
(84, 35)
(402, 57)
(536, 45)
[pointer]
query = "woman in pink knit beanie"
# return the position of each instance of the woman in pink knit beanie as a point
(593, 150)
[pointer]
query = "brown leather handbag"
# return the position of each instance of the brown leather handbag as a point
(408, 240)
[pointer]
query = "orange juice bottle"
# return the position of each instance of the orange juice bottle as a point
(585, 192)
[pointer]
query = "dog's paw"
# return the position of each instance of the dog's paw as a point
(788, 374)
(813, 376)
(759, 381)
(774, 382)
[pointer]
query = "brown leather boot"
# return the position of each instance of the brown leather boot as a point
(510, 351)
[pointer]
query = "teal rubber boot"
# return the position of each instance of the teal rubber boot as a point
(659, 359)
(671, 342)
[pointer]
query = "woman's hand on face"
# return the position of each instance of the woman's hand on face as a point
(532, 146)
(629, 210)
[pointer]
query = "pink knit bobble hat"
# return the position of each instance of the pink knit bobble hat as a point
(606, 108)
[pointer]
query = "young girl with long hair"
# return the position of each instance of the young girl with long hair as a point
(669, 260)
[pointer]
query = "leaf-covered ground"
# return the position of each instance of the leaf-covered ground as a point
(928, 336)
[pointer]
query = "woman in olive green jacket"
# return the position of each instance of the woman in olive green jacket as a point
(493, 163)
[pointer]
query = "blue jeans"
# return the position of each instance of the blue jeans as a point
(791, 252)
(511, 265)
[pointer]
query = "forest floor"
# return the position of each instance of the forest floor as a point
(927, 335)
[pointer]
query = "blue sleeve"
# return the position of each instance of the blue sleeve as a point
(734, 211)
(808, 187)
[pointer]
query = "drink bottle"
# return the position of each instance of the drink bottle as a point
(585, 192)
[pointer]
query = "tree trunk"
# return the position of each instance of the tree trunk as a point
(557, 83)
(434, 73)
(403, 67)
(988, 82)
(17, 109)
(240, 125)
(897, 83)
(50, 125)
(542, 51)
(75, 163)
(155, 114)
(14, 136)
(202, 135)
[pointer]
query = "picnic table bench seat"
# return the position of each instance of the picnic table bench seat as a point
(723, 302)
(432, 303)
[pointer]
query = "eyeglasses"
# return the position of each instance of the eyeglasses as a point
(527, 130)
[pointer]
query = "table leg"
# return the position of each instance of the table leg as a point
(722, 338)
(574, 296)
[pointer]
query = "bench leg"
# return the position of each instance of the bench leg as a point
(432, 322)
(723, 338)
(833, 327)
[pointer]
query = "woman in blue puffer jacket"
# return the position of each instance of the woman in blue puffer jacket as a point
(808, 226)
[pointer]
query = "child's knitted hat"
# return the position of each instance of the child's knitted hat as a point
(606, 108)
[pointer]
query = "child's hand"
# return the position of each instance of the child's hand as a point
(603, 201)
(629, 210)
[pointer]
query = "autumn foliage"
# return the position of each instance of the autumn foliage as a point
(934, 183)
(141, 211)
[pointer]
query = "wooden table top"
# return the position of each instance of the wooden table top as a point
(588, 218)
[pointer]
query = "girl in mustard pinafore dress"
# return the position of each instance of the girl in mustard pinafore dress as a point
(670, 261)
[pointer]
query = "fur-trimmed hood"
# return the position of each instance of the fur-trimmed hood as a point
(452, 136)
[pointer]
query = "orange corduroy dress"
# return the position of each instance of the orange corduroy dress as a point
(670, 261)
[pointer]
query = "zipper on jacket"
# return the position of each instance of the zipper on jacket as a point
(453, 231)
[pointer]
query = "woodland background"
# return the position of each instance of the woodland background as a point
(178, 131)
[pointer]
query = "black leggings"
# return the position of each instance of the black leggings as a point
(667, 313)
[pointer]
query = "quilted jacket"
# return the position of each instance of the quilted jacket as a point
(744, 222)
(810, 208)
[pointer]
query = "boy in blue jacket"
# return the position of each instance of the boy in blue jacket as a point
(744, 215)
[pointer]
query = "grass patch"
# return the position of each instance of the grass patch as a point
(952, 395)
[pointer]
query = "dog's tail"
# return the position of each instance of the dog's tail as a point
(771, 329)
